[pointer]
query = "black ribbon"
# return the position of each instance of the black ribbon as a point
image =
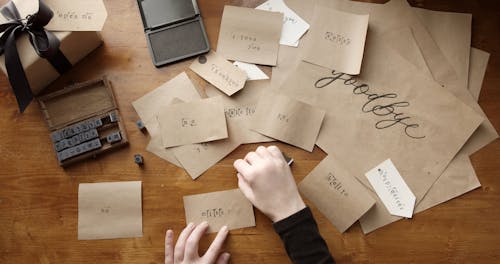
(44, 42)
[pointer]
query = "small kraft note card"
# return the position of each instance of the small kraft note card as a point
(109, 210)
(337, 40)
(288, 120)
(193, 122)
(392, 189)
(250, 35)
(226, 208)
(219, 72)
(338, 195)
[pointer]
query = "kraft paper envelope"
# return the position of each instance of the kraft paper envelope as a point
(219, 72)
(148, 106)
(336, 193)
(478, 64)
(429, 129)
(109, 210)
(226, 208)
(288, 120)
(192, 122)
(250, 35)
(336, 40)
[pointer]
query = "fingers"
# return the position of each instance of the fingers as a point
(181, 243)
(244, 186)
(223, 258)
(169, 247)
(242, 167)
(193, 240)
(263, 152)
(275, 152)
(216, 246)
(252, 158)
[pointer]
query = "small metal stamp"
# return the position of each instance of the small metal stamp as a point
(138, 159)
(140, 125)
(202, 59)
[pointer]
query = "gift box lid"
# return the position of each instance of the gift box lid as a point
(77, 102)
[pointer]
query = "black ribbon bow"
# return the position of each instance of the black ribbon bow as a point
(44, 42)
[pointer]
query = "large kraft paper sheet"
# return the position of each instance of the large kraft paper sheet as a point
(225, 208)
(109, 210)
(338, 195)
(407, 118)
(250, 35)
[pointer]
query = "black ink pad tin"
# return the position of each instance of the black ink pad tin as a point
(174, 30)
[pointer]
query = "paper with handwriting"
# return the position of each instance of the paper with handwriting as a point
(109, 210)
(77, 15)
(337, 40)
(225, 208)
(250, 35)
(219, 72)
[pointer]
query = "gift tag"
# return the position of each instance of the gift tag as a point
(392, 189)
(81, 15)
(254, 73)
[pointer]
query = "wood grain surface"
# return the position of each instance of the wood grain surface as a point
(38, 199)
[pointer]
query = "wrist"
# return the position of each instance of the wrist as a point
(293, 207)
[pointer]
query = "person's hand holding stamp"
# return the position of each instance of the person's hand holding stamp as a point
(265, 179)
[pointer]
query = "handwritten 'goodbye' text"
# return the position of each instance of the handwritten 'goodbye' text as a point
(373, 104)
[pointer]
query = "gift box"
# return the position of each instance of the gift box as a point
(49, 37)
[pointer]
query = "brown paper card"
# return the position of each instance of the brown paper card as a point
(226, 208)
(288, 120)
(109, 210)
(79, 15)
(336, 193)
(219, 72)
(250, 35)
(477, 68)
(192, 122)
(240, 108)
(148, 106)
(336, 40)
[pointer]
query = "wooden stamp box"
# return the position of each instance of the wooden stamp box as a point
(84, 121)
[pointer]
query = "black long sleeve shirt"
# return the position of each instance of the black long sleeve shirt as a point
(303, 242)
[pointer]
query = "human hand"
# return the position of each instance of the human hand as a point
(186, 248)
(265, 179)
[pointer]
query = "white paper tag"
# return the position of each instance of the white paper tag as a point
(254, 73)
(392, 189)
(293, 25)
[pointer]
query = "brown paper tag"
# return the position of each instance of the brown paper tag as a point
(250, 35)
(229, 208)
(109, 210)
(77, 15)
(338, 195)
(289, 120)
(219, 72)
(193, 122)
(336, 40)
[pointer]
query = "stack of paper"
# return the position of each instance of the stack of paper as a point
(388, 91)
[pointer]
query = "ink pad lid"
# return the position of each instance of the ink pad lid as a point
(160, 13)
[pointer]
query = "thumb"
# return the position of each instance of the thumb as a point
(223, 258)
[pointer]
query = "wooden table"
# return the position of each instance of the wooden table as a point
(38, 199)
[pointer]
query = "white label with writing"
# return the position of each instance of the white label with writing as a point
(392, 189)
(293, 25)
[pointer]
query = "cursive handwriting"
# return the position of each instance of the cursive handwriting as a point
(373, 104)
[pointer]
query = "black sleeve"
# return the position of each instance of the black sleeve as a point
(302, 240)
